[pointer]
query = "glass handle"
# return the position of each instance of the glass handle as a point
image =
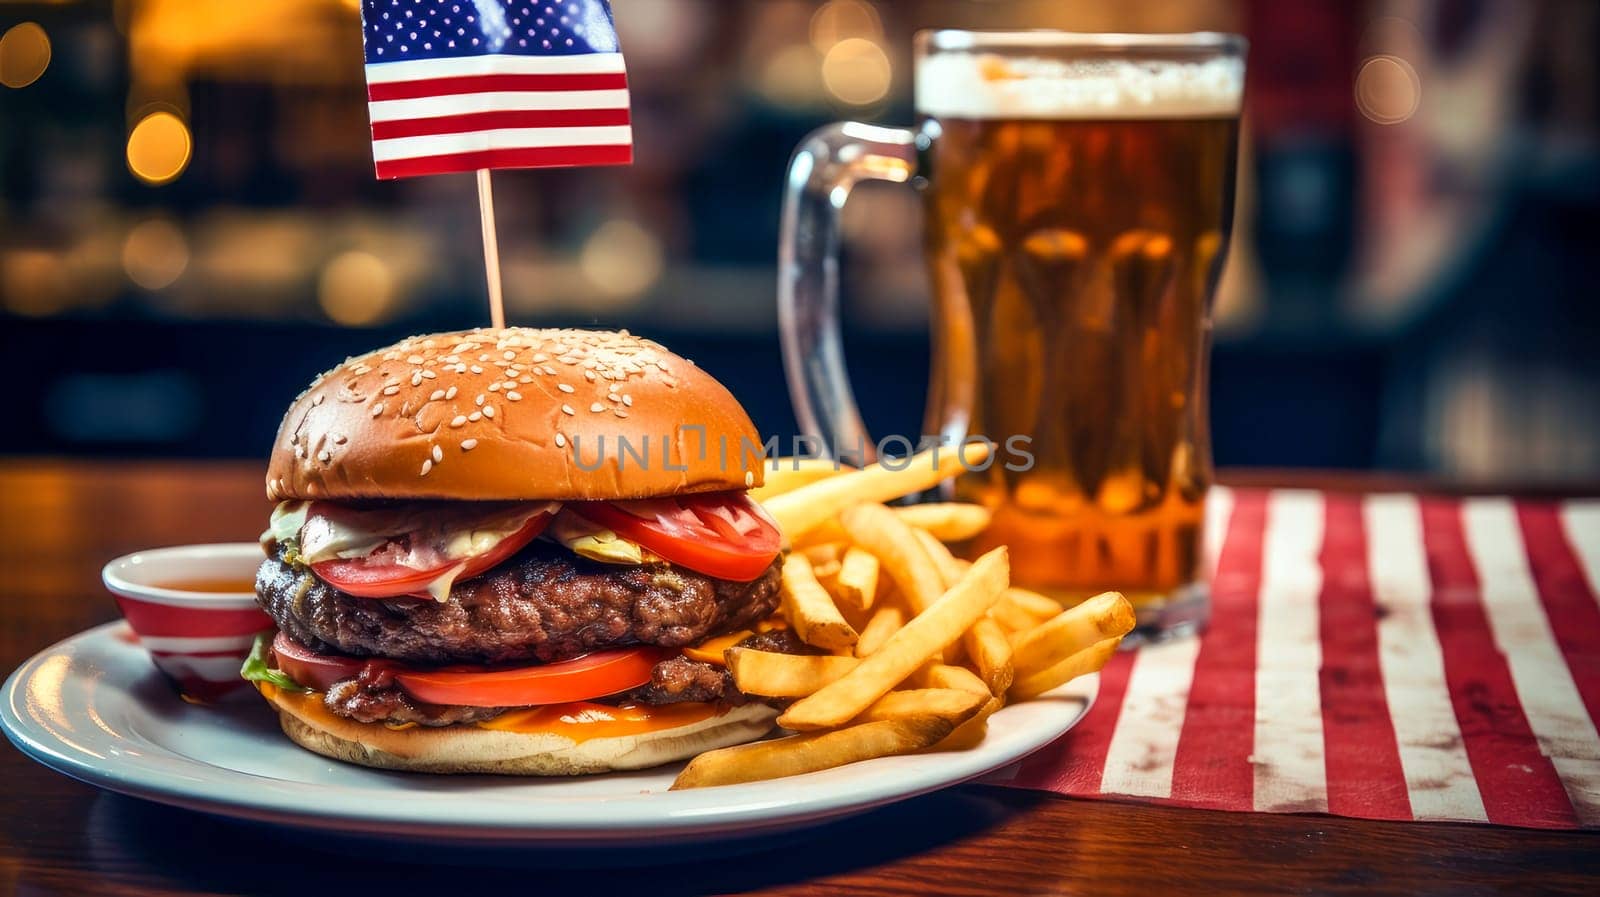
(827, 164)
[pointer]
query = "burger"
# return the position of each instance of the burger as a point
(515, 551)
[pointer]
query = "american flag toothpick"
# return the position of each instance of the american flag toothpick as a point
(470, 85)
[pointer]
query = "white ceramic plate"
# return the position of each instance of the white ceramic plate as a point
(94, 708)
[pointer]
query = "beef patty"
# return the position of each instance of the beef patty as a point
(545, 604)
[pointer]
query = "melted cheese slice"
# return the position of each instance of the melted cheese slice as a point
(579, 721)
(451, 532)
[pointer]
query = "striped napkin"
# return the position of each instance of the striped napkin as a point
(1389, 656)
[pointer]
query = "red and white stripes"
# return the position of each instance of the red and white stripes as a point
(432, 116)
(1381, 656)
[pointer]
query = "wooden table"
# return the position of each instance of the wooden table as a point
(59, 522)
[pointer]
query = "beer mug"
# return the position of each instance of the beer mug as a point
(1078, 191)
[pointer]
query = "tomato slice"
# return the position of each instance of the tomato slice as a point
(580, 679)
(590, 676)
(721, 534)
(313, 669)
(378, 575)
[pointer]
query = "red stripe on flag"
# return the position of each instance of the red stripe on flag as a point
(460, 84)
(1076, 762)
(1519, 785)
(500, 118)
(1568, 600)
(1365, 777)
(1212, 765)
(517, 157)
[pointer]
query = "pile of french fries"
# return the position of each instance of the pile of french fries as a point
(921, 647)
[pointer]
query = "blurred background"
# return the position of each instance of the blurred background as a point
(190, 228)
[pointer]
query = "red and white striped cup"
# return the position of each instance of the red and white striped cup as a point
(199, 639)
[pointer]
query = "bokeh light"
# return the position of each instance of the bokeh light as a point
(24, 54)
(791, 77)
(34, 282)
(356, 289)
(621, 258)
(159, 148)
(856, 71)
(840, 20)
(155, 254)
(1388, 89)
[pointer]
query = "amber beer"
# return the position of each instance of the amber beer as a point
(1074, 249)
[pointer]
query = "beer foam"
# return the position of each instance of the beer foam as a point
(984, 85)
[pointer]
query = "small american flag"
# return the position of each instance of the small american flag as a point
(461, 85)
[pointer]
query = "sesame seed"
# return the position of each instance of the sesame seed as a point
(494, 387)
(438, 454)
(508, 355)
(614, 397)
(377, 409)
(567, 409)
(561, 440)
(540, 357)
(430, 375)
(436, 395)
(479, 400)
(621, 413)
(463, 347)
(475, 416)
(468, 445)
(565, 387)
(484, 356)
(414, 359)
(427, 465)
(476, 369)
(416, 379)
(597, 407)
(749, 479)
(524, 379)
(510, 384)
(513, 395)
(488, 411)
(588, 375)
(459, 420)
(390, 390)
(450, 393)
(627, 400)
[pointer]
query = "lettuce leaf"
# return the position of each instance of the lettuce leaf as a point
(257, 668)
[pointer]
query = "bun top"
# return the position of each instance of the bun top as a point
(515, 413)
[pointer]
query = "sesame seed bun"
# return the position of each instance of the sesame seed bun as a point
(469, 749)
(496, 414)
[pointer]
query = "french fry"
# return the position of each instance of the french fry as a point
(1013, 618)
(809, 608)
(876, 529)
(857, 582)
(928, 633)
(947, 521)
(1031, 603)
(1087, 661)
(885, 621)
(952, 703)
(944, 675)
(1107, 615)
(825, 552)
(970, 733)
(811, 752)
(774, 675)
(950, 566)
(990, 653)
(802, 509)
(788, 474)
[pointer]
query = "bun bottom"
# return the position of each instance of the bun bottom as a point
(471, 750)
